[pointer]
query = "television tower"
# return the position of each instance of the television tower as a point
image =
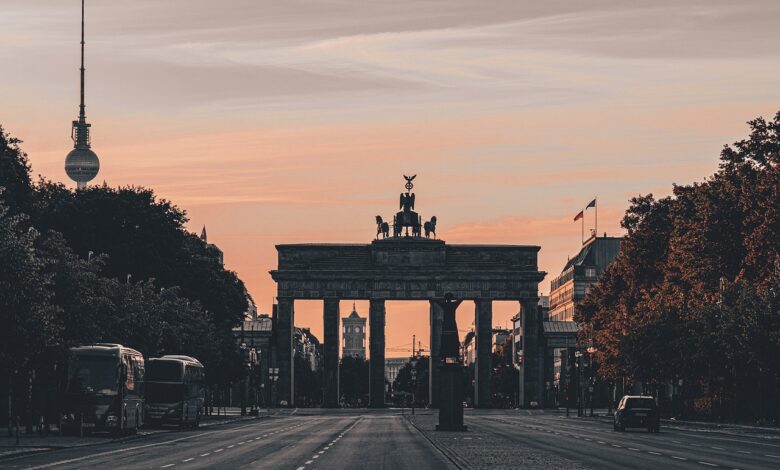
(81, 164)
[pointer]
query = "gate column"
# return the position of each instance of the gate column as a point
(437, 318)
(284, 351)
(532, 352)
(330, 397)
(484, 339)
(376, 344)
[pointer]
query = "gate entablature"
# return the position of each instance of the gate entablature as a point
(407, 270)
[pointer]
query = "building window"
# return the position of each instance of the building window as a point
(590, 272)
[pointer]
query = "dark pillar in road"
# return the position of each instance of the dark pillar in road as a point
(285, 391)
(330, 397)
(376, 344)
(532, 352)
(483, 365)
(434, 374)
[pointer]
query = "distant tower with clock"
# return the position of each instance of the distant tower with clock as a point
(353, 330)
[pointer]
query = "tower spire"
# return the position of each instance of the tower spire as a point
(82, 116)
(81, 164)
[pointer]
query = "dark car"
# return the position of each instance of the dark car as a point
(637, 412)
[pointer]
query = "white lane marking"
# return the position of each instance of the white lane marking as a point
(654, 453)
(588, 439)
(308, 462)
(679, 458)
(128, 449)
(631, 448)
(299, 468)
(710, 464)
(321, 452)
(744, 452)
(206, 454)
(231, 446)
(615, 445)
(315, 456)
(601, 442)
(327, 447)
(676, 442)
(772, 455)
(717, 448)
(187, 460)
(241, 443)
(218, 450)
(169, 465)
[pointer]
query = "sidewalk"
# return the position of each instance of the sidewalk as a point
(34, 442)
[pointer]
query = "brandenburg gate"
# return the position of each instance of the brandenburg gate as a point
(407, 266)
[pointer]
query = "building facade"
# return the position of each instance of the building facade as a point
(567, 290)
(353, 330)
(392, 366)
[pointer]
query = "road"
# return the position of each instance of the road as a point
(593, 443)
(304, 440)
(346, 439)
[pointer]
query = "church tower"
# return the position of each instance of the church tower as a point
(353, 330)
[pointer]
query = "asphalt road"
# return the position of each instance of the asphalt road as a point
(304, 440)
(593, 443)
(357, 439)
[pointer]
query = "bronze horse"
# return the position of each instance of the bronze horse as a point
(430, 227)
(382, 228)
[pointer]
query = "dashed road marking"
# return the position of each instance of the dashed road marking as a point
(654, 453)
(678, 458)
(717, 448)
(218, 450)
(169, 465)
(744, 452)
(709, 464)
(187, 460)
(231, 446)
(206, 454)
(772, 455)
(315, 456)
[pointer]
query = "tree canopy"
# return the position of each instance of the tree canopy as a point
(693, 294)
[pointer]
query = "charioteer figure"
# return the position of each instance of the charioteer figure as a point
(406, 219)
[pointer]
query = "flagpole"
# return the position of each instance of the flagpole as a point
(582, 237)
(596, 206)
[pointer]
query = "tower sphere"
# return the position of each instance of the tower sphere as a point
(82, 165)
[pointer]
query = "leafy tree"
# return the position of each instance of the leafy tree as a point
(688, 296)
(353, 381)
(14, 174)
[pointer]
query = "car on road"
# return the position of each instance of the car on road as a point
(637, 411)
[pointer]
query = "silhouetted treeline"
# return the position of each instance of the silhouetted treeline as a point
(691, 307)
(104, 265)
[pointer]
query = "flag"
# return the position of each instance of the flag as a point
(578, 216)
(591, 204)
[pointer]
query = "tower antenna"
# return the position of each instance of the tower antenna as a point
(82, 116)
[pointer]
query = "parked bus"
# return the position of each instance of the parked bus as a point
(103, 390)
(175, 391)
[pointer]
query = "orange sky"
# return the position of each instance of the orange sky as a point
(287, 122)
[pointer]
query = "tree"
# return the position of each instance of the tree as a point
(686, 299)
(14, 174)
(353, 381)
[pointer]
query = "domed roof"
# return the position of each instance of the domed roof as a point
(82, 164)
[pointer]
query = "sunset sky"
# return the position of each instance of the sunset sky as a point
(289, 122)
